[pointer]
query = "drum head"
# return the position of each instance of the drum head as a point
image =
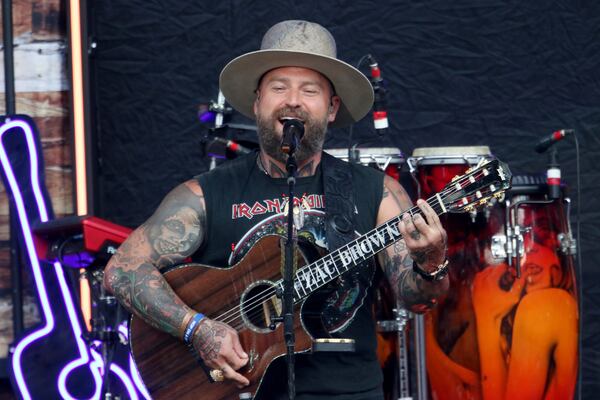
(450, 155)
(369, 155)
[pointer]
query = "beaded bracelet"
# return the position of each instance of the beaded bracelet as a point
(189, 330)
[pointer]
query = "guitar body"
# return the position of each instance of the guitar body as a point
(243, 296)
(166, 365)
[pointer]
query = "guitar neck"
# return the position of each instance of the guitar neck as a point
(317, 274)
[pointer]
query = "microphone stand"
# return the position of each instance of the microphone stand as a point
(288, 276)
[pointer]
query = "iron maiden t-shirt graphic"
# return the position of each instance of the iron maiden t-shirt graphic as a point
(243, 205)
(347, 292)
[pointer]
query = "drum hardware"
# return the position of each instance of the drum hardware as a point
(512, 212)
(568, 244)
(394, 325)
(504, 246)
(381, 157)
(386, 159)
(104, 335)
(398, 325)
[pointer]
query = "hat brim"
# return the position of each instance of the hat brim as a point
(239, 80)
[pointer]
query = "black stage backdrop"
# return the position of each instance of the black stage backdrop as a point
(470, 72)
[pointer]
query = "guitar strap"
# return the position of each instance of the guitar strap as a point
(339, 201)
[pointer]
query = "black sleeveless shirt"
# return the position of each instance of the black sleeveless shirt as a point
(243, 204)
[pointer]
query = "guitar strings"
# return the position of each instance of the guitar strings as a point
(253, 305)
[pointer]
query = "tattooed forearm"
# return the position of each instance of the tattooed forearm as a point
(415, 293)
(145, 292)
(173, 233)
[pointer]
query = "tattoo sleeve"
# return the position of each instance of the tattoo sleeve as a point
(133, 274)
(415, 293)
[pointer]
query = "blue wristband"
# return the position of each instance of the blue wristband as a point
(189, 330)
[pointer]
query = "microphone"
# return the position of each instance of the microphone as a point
(233, 146)
(548, 141)
(293, 131)
(380, 120)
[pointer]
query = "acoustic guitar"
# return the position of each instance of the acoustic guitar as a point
(245, 296)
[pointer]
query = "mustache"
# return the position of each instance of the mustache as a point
(292, 113)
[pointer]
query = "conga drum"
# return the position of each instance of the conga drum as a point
(392, 346)
(446, 341)
(525, 298)
(508, 326)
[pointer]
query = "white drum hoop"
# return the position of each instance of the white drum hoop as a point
(452, 155)
(380, 156)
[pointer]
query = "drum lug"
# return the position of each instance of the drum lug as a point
(499, 246)
(504, 246)
(568, 245)
(473, 215)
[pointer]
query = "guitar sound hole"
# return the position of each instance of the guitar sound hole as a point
(260, 306)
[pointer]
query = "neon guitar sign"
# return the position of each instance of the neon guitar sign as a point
(52, 359)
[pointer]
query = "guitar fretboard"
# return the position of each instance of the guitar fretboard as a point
(319, 273)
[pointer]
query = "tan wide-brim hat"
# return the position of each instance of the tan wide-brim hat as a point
(297, 44)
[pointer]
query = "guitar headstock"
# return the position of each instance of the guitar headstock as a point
(477, 186)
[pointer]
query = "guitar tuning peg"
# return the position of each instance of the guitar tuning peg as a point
(468, 171)
(499, 195)
(455, 178)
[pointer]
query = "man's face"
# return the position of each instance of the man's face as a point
(299, 93)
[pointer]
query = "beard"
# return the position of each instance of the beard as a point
(270, 139)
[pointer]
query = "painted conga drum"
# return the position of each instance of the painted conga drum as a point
(525, 298)
(508, 328)
(450, 350)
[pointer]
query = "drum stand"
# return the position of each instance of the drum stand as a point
(511, 245)
(104, 335)
(397, 325)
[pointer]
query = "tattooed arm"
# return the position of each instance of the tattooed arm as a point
(424, 241)
(174, 232)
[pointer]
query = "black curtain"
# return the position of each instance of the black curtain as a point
(469, 72)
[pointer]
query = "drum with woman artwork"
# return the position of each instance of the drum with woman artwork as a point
(508, 328)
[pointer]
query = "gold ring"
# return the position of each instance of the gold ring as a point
(217, 375)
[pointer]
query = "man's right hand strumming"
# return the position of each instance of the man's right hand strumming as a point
(219, 346)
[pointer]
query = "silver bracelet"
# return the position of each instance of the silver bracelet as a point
(436, 275)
